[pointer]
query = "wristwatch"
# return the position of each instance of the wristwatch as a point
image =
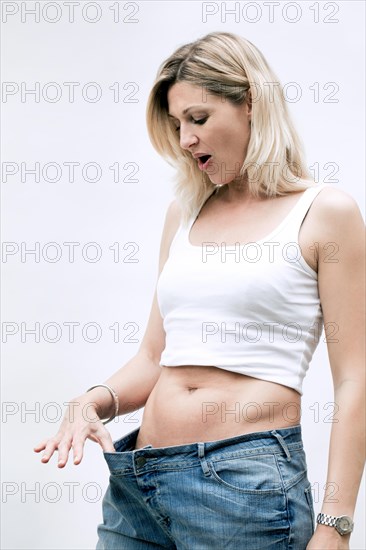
(343, 524)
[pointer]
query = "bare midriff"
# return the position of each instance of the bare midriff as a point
(193, 403)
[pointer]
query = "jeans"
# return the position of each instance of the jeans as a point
(246, 492)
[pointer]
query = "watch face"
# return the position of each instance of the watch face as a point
(344, 524)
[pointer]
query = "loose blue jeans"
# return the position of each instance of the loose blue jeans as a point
(248, 492)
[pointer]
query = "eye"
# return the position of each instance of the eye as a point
(199, 121)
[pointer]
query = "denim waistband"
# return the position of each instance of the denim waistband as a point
(281, 440)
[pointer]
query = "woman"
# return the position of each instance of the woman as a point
(244, 287)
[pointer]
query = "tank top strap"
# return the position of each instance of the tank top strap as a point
(290, 227)
(180, 236)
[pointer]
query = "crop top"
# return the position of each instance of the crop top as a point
(248, 308)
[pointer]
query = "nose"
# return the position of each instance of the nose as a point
(187, 137)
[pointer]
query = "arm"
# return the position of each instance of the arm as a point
(133, 382)
(342, 294)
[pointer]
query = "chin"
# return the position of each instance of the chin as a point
(218, 182)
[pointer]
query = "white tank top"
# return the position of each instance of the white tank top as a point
(253, 309)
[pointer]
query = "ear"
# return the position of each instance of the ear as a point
(248, 101)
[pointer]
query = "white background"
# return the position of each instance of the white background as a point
(37, 374)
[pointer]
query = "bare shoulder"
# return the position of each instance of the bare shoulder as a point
(173, 217)
(171, 224)
(174, 211)
(332, 200)
(336, 213)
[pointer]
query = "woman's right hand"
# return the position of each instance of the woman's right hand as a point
(80, 422)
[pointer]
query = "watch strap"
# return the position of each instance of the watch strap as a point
(325, 519)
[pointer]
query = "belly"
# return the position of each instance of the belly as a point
(203, 403)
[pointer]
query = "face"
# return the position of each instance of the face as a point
(211, 125)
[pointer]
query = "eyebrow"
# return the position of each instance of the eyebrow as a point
(185, 110)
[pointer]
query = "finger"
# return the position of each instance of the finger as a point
(93, 438)
(106, 442)
(39, 447)
(63, 453)
(49, 450)
(78, 452)
(104, 439)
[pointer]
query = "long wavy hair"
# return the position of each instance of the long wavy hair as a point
(229, 66)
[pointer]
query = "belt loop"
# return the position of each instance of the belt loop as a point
(283, 444)
(201, 456)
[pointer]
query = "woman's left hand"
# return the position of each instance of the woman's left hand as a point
(328, 540)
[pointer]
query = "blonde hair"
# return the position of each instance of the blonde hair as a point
(229, 66)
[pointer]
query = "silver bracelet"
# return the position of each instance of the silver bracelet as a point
(115, 399)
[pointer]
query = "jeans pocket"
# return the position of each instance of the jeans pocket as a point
(309, 499)
(250, 474)
(116, 462)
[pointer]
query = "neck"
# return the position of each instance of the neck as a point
(235, 191)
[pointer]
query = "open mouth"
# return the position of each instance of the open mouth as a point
(203, 161)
